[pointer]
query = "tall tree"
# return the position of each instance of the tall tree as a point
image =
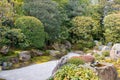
(6, 12)
(46, 11)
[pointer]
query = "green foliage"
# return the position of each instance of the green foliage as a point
(106, 53)
(46, 11)
(81, 32)
(32, 29)
(76, 61)
(72, 72)
(15, 37)
(112, 28)
(64, 34)
(82, 26)
(6, 13)
(99, 57)
(3, 30)
(76, 7)
(18, 4)
(41, 59)
(96, 12)
(61, 2)
(6, 10)
(11, 37)
(117, 1)
(82, 44)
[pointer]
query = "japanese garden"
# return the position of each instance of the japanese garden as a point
(59, 39)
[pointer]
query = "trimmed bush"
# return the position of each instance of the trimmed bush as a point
(112, 28)
(47, 11)
(82, 31)
(72, 72)
(33, 30)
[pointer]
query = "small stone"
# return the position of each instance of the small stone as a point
(4, 49)
(115, 51)
(36, 53)
(25, 56)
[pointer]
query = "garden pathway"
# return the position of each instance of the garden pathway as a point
(34, 72)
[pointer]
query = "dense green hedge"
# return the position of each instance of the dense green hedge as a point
(112, 27)
(82, 30)
(33, 30)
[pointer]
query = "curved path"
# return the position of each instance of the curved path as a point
(34, 72)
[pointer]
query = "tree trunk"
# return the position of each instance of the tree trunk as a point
(106, 71)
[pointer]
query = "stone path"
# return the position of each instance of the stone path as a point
(34, 72)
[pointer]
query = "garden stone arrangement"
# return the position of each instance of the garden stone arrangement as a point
(35, 72)
(59, 39)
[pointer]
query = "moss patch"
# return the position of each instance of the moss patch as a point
(41, 59)
(2, 79)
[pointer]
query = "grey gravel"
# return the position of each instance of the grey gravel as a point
(34, 72)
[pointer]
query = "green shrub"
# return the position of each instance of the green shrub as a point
(112, 28)
(76, 61)
(106, 53)
(46, 11)
(15, 37)
(99, 57)
(33, 30)
(12, 37)
(72, 72)
(82, 26)
(82, 45)
(82, 31)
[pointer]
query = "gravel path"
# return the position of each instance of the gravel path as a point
(34, 72)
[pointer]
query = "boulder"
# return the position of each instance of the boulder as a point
(115, 51)
(100, 47)
(4, 65)
(86, 58)
(105, 48)
(36, 53)
(79, 52)
(61, 62)
(0, 68)
(106, 71)
(54, 53)
(14, 60)
(67, 45)
(4, 49)
(25, 56)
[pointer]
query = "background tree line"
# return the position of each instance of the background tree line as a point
(40, 23)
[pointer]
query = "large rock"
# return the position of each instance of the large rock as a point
(4, 65)
(106, 71)
(25, 55)
(36, 53)
(79, 52)
(61, 62)
(67, 45)
(115, 51)
(14, 60)
(56, 54)
(105, 48)
(86, 58)
(4, 49)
